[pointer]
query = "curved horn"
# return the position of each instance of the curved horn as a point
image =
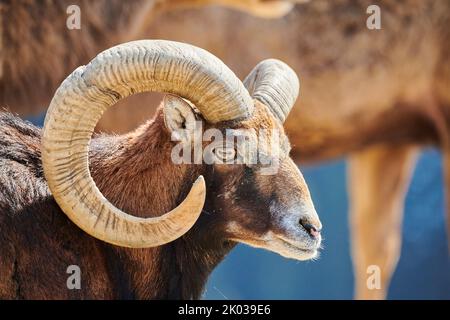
(275, 84)
(79, 103)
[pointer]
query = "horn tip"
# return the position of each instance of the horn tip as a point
(200, 181)
(199, 187)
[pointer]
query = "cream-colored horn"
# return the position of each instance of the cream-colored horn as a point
(275, 84)
(78, 104)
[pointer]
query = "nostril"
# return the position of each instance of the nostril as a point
(310, 228)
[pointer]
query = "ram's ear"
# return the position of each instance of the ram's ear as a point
(179, 117)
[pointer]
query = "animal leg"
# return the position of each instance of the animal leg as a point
(446, 164)
(378, 181)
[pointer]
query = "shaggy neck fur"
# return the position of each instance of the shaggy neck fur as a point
(141, 180)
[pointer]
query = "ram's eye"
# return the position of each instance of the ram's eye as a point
(225, 154)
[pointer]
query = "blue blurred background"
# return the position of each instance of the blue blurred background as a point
(423, 271)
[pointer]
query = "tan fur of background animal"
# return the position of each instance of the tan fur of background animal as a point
(38, 50)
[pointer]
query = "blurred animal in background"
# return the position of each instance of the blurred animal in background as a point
(376, 96)
(223, 202)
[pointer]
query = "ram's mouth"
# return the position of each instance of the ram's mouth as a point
(298, 250)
